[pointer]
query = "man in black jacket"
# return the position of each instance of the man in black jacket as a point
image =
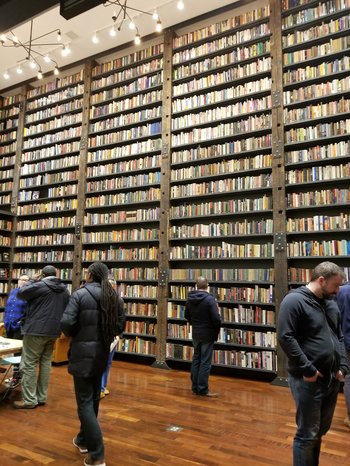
(47, 299)
(309, 332)
(202, 313)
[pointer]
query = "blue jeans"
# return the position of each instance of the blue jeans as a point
(201, 363)
(105, 375)
(315, 404)
(87, 393)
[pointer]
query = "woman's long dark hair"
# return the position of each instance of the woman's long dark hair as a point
(108, 302)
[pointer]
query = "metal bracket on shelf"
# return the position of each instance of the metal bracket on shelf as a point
(163, 277)
(78, 230)
(276, 99)
(83, 143)
(165, 150)
(280, 242)
(277, 148)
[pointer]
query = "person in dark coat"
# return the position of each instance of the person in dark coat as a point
(310, 334)
(201, 311)
(91, 319)
(47, 299)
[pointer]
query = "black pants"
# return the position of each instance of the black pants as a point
(87, 393)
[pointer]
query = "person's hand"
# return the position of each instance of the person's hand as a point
(340, 376)
(313, 378)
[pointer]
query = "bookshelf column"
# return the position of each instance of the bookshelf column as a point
(278, 174)
(83, 155)
(164, 205)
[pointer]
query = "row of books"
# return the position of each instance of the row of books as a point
(6, 173)
(225, 251)
(262, 360)
(137, 290)
(7, 161)
(319, 173)
(62, 272)
(123, 105)
(57, 83)
(203, 209)
(330, 248)
(137, 148)
(3, 286)
(127, 74)
(51, 99)
(182, 331)
(152, 129)
(49, 178)
(127, 216)
(7, 186)
(223, 26)
(243, 314)
(115, 236)
(229, 148)
(141, 309)
(137, 345)
(44, 256)
(49, 112)
(222, 229)
(128, 60)
(224, 275)
(256, 293)
(236, 336)
(148, 162)
(220, 186)
(8, 113)
(322, 197)
(324, 69)
(135, 273)
(321, 10)
(66, 190)
(5, 224)
(56, 150)
(5, 241)
(121, 254)
(45, 223)
(52, 138)
(8, 124)
(322, 130)
(5, 199)
(316, 91)
(8, 148)
(48, 165)
(142, 179)
(140, 327)
(318, 223)
(126, 119)
(223, 167)
(132, 197)
(304, 275)
(317, 32)
(68, 119)
(320, 110)
(6, 137)
(56, 239)
(328, 151)
(239, 38)
(10, 100)
(142, 84)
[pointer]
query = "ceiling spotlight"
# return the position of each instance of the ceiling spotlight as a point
(6, 75)
(113, 31)
(95, 39)
(47, 59)
(19, 69)
(132, 25)
(40, 74)
(59, 37)
(56, 71)
(137, 39)
(159, 26)
(180, 5)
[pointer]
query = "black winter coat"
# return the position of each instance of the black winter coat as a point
(201, 311)
(81, 320)
(47, 300)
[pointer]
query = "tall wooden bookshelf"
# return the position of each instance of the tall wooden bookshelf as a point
(217, 149)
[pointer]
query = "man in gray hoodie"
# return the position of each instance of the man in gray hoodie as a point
(47, 299)
(202, 313)
(309, 332)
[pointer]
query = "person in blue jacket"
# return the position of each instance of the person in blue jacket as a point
(15, 309)
(310, 334)
(201, 311)
(343, 300)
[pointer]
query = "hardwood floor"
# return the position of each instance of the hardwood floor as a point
(250, 424)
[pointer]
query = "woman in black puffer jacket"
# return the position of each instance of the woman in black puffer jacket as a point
(91, 319)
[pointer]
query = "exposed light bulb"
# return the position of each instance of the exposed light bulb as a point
(95, 39)
(132, 25)
(159, 26)
(65, 51)
(59, 37)
(155, 16)
(137, 39)
(68, 50)
(40, 74)
(112, 31)
(2, 38)
(6, 75)
(56, 71)
(19, 69)
(32, 64)
(47, 59)
(180, 5)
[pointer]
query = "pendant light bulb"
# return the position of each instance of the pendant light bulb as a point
(137, 39)
(159, 26)
(180, 5)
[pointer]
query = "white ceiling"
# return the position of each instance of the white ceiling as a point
(78, 31)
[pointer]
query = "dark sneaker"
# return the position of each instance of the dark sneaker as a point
(81, 448)
(23, 405)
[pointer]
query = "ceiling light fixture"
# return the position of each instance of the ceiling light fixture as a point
(180, 5)
(124, 15)
(33, 49)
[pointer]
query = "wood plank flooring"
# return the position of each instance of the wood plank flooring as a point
(151, 417)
